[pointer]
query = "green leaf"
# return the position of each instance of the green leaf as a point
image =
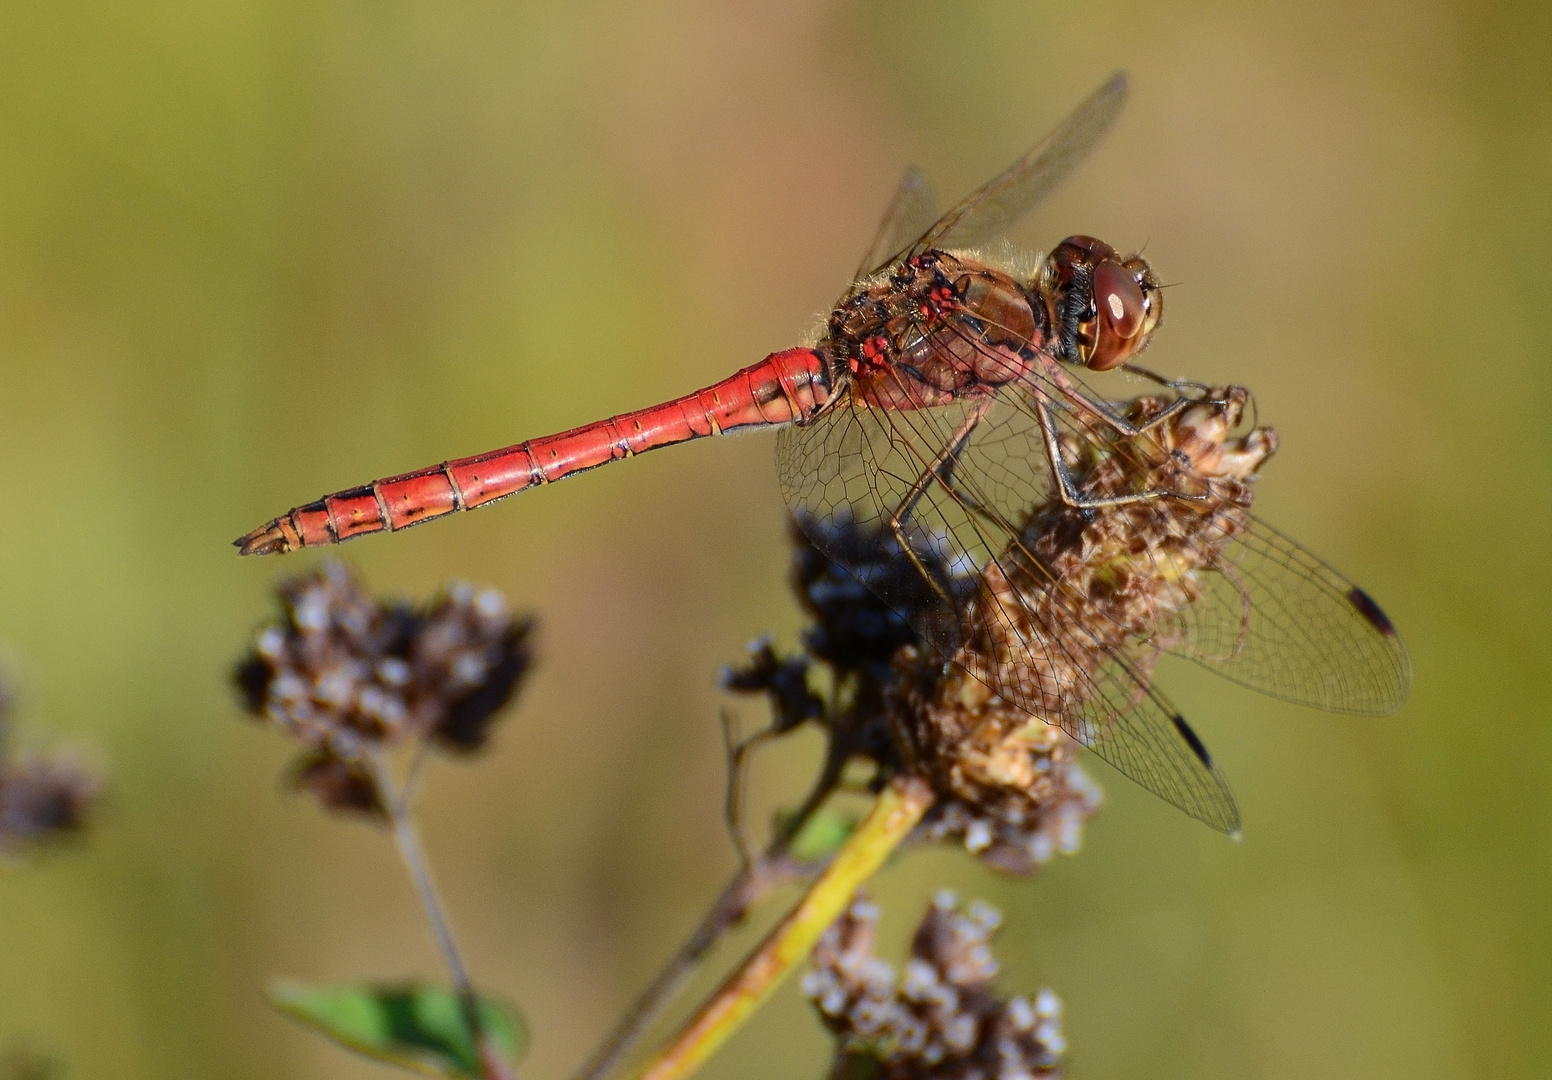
(417, 1026)
(821, 836)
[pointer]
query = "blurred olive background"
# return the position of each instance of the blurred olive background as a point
(256, 251)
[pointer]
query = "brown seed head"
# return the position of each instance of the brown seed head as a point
(1117, 580)
(340, 670)
(44, 795)
(940, 1018)
(1077, 590)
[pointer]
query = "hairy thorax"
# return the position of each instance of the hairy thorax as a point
(938, 327)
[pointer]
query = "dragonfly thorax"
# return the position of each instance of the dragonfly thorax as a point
(939, 325)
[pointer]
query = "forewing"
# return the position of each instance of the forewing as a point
(1277, 619)
(1113, 709)
(911, 213)
(988, 212)
(873, 467)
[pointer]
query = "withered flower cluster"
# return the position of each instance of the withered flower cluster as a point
(1039, 629)
(881, 680)
(345, 675)
(43, 795)
(940, 1019)
(1080, 598)
(1119, 580)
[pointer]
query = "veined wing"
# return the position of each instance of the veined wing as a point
(1103, 696)
(911, 212)
(852, 467)
(1275, 618)
(1281, 621)
(1263, 611)
(862, 465)
(989, 211)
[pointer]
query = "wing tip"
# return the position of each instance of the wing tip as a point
(1372, 613)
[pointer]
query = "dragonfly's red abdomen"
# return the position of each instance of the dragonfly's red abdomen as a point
(784, 387)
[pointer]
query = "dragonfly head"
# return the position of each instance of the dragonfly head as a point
(1105, 308)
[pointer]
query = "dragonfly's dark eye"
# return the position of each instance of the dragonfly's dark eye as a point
(1122, 310)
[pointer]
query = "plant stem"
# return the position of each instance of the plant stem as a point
(729, 910)
(754, 879)
(899, 807)
(407, 839)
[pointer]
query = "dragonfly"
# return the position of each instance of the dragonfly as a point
(934, 405)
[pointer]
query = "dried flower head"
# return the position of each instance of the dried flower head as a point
(840, 581)
(940, 1018)
(784, 681)
(43, 795)
(1119, 579)
(1115, 581)
(340, 672)
(1063, 632)
(1048, 633)
(853, 635)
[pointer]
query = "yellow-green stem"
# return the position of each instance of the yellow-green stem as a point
(899, 807)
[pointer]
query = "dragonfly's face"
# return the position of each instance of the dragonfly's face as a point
(1105, 308)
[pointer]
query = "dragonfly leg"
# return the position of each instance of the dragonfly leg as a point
(1164, 381)
(1069, 490)
(939, 470)
(1122, 425)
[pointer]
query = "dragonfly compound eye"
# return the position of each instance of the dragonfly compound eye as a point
(1105, 308)
(1121, 315)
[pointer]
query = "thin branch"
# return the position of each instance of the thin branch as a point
(899, 807)
(755, 878)
(736, 750)
(407, 839)
(730, 909)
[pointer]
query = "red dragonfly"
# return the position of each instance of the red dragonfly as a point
(933, 405)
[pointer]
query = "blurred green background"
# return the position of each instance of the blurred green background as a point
(256, 251)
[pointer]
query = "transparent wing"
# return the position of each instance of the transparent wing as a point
(911, 213)
(1113, 708)
(853, 468)
(958, 484)
(1273, 616)
(865, 466)
(1279, 620)
(988, 212)
(1276, 618)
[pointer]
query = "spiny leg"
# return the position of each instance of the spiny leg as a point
(939, 470)
(1069, 490)
(1097, 409)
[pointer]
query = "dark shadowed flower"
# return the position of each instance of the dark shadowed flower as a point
(43, 795)
(785, 681)
(853, 630)
(342, 672)
(940, 1018)
(1009, 788)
